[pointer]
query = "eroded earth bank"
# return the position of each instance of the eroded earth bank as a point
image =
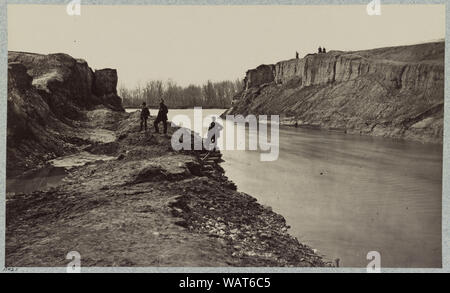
(134, 201)
(395, 92)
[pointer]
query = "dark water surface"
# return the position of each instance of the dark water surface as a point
(346, 195)
(41, 179)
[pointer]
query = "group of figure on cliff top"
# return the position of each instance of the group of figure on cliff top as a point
(321, 50)
(162, 117)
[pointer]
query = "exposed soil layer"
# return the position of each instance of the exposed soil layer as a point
(393, 92)
(49, 98)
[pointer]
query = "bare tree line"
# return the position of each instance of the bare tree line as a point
(209, 95)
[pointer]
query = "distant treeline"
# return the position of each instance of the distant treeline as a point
(209, 95)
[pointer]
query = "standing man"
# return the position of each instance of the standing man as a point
(162, 117)
(214, 130)
(145, 112)
(296, 55)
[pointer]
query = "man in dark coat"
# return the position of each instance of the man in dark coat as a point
(214, 130)
(162, 117)
(145, 112)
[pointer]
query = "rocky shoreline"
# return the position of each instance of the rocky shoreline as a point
(290, 122)
(150, 206)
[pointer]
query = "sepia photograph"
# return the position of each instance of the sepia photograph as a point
(210, 136)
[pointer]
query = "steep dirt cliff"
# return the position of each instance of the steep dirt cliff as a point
(395, 92)
(48, 96)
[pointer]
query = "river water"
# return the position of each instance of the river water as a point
(346, 195)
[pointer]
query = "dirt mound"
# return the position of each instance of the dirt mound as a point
(51, 101)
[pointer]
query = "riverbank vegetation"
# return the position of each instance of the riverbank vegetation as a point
(209, 95)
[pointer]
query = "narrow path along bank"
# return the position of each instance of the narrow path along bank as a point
(150, 206)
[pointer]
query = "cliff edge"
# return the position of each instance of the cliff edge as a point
(48, 98)
(394, 92)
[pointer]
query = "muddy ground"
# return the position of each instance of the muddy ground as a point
(147, 206)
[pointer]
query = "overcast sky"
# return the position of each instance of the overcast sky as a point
(191, 44)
